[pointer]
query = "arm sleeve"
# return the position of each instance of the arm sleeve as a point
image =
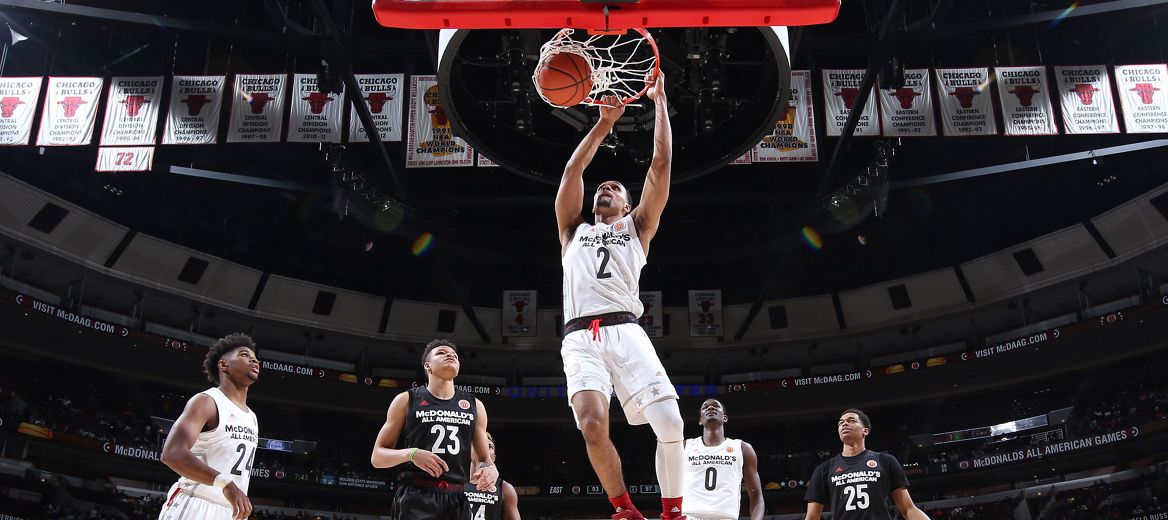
(896, 477)
(817, 490)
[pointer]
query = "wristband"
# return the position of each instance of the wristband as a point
(412, 452)
(222, 480)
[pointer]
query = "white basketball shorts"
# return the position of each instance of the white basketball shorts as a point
(621, 358)
(182, 505)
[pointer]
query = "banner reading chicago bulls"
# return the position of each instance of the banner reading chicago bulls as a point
(195, 103)
(257, 112)
(519, 313)
(1026, 108)
(431, 141)
(124, 159)
(1143, 92)
(908, 110)
(705, 313)
(70, 111)
(18, 100)
(967, 108)
(383, 94)
(1085, 92)
(841, 91)
(131, 111)
(651, 319)
(315, 115)
(793, 138)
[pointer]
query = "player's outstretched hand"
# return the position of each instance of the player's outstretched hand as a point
(612, 109)
(240, 504)
(657, 88)
(430, 463)
(484, 478)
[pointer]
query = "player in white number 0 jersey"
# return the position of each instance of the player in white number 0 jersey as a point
(213, 443)
(604, 348)
(716, 467)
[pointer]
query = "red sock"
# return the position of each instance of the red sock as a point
(622, 503)
(670, 507)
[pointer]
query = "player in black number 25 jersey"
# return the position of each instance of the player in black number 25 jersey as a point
(430, 431)
(858, 482)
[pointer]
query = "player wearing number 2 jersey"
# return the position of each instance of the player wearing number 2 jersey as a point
(857, 483)
(431, 431)
(715, 469)
(212, 444)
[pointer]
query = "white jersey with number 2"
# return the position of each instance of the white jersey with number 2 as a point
(229, 448)
(713, 479)
(602, 270)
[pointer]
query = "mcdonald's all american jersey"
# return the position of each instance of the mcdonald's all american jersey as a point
(713, 479)
(485, 505)
(857, 487)
(602, 270)
(229, 448)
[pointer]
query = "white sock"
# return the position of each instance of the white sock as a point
(665, 419)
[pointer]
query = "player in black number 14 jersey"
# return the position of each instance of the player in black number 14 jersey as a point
(857, 483)
(430, 431)
(501, 504)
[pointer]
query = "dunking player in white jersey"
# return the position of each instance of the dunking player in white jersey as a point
(212, 444)
(604, 348)
(715, 469)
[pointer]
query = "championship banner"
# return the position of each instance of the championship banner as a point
(70, 111)
(195, 104)
(793, 138)
(967, 108)
(124, 159)
(705, 313)
(841, 90)
(483, 161)
(1085, 92)
(651, 319)
(1026, 108)
(257, 112)
(131, 111)
(743, 159)
(908, 110)
(18, 101)
(431, 142)
(519, 313)
(383, 94)
(1143, 91)
(315, 116)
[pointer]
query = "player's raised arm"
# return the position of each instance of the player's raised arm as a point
(384, 453)
(570, 197)
(486, 473)
(655, 194)
(753, 483)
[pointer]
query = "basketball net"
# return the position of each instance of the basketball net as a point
(623, 65)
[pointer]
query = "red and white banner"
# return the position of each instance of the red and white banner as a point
(431, 141)
(743, 159)
(519, 313)
(705, 313)
(793, 138)
(908, 110)
(651, 319)
(18, 101)
(257, 112)
(967, 108)
(483, 161)
(131, 111)
(841, 91)
(124, 159)
(1143, 91)
(1085, 92)
(1026, 108)
(315, 116)
(195, 104)
(383, 93)
(70, 111)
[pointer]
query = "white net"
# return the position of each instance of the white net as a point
(621, 63)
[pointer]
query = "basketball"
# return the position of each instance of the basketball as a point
(564, 79)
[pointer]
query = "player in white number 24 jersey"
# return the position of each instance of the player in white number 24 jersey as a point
(716, 467)
(213, 443)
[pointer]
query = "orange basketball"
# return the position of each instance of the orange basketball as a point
(564, 79)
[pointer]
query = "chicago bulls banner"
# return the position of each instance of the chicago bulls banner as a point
(383, 93)
(908, 111)
(484, 161)
(841, 90)
(967, 108)
(519, 313)
(651, 319)
(315, 115)
(69, 112)
(18, 101)
(257, 112)
(195, 103)
(1143, 92)
(431, 141)
(1026, 108)
(131, 111)
(705, 313)
(1085, 92)
(124, 159)
(793, 138)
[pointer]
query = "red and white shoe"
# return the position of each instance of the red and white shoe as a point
(627, 514)
(675, 514)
